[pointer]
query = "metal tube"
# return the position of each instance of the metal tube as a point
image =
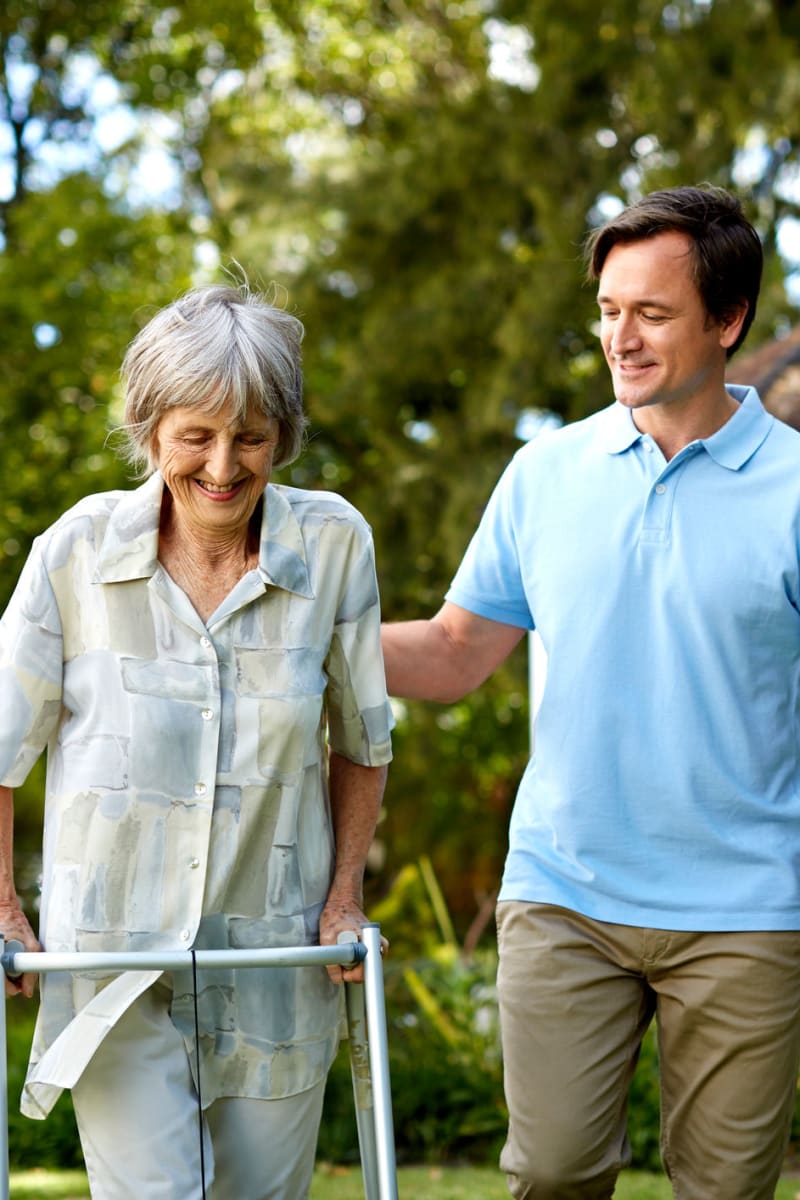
(4, 1185)
(379, 1062)
(362, 1084)
(346, 955)
(362, 1089)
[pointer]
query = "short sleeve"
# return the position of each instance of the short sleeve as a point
(489, 579)
(358, 712)
(31, 668)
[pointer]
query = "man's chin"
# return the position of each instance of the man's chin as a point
(634, 401)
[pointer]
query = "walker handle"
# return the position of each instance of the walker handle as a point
(7, 959)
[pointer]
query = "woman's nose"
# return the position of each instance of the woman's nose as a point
(222, 460)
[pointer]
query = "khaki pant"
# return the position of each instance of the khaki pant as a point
(576, 997)
(136, 1108)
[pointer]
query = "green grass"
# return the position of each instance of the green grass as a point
(486, 1183)
(48, 1185)
(344, 1183)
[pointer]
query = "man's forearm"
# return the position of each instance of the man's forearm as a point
(445, 658)
(417, 657)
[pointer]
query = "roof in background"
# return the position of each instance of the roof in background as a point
(774, 369)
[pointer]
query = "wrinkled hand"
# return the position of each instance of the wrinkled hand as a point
(342, 915)
(14, 927)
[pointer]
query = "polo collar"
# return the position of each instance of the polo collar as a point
(731, 446)
(129, 549)
(618, 431)
(738, 439)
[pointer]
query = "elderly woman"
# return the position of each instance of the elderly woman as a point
(201, 659)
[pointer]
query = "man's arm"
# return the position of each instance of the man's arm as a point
(445, 658)
(356, 794)
(13, 922)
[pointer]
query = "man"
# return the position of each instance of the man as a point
(655, 840)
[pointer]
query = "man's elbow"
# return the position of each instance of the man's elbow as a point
(452, 689)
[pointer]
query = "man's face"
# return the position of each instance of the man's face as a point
(660, 344)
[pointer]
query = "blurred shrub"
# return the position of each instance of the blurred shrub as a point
(444, 1060)
(50, 1143)
(643, 1107)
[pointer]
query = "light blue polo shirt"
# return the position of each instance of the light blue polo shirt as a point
(665, 786)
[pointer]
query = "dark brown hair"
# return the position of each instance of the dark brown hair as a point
(727, 257)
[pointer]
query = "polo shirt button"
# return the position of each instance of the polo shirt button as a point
(185, 935)
(660, 489)
(206, 714)
(200, 789)
(194, 863)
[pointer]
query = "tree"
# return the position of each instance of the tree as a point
(427, 220)
(418, 176)
(82, 263)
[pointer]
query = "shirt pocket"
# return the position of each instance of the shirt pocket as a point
(278, 671)
(92, 761)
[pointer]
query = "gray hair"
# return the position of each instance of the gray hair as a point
(213, 346)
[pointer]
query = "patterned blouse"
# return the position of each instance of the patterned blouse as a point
(187, 801)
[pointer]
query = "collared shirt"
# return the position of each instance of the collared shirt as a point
(187, 795)
(665, 786)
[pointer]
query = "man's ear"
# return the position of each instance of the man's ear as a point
(730, 325)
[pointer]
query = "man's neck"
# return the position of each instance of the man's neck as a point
(673, 426)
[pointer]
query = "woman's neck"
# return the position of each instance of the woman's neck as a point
(206, 563)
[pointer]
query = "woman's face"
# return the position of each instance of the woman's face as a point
(214, 467)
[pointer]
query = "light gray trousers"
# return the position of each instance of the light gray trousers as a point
(136, 1108)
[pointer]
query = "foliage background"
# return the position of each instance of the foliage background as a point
(414, 178)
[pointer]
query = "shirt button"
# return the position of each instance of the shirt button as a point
(185, 935)
(660, 489)
(205, 642)
(206, 714)
(194, 863)
(200, 789)
(648, 447)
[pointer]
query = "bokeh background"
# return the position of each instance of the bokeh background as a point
(414, 179)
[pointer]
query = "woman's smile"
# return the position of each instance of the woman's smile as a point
(215, 467)
(221, 491)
